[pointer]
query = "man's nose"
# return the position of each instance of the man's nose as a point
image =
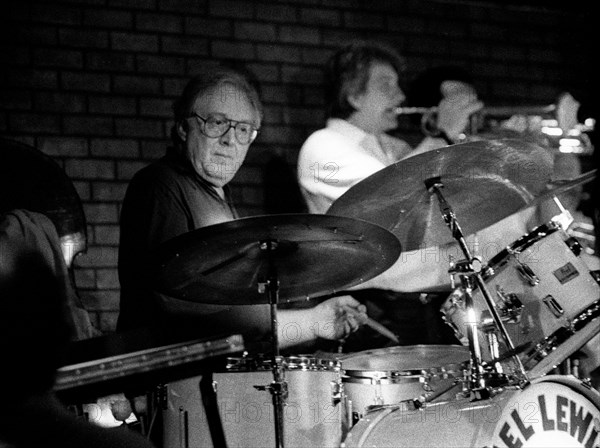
(399, 95)
(228, 137)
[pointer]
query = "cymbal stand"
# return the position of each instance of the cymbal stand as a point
(469, 270)
(476, 382)
(278, 387)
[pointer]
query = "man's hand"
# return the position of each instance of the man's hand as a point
(454, 114)
(333, 319)
(566, 112)
(336, 318)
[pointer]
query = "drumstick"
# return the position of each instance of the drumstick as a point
(366, 320)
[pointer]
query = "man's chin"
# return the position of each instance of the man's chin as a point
(219, 181)
(215, 179)
(389, 121)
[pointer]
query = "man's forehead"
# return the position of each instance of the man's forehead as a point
(227, 99)
(224, 93)
(382, 70)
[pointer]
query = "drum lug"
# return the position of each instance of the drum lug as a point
(482, 393)
(527, 274)
(587, 383)
(574, 244)
(336, 393)
(410, 405)
(275, 388)
(553, 306)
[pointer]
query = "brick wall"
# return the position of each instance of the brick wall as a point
(90, 82)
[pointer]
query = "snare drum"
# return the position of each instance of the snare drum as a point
(546, 296)
(553, 411)
(312, 414)
(390, 375)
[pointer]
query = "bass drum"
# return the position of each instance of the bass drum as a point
(553, 411)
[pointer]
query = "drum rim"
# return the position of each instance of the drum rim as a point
(397, 376)
(546, 348)
(261, 363)
(401, 348)
(518, 246)
(407, 349)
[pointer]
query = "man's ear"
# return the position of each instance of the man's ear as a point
(181, 128)
(355, 101)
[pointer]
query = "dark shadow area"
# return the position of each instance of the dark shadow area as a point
(282, 191)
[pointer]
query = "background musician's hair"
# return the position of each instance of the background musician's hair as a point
(347, 73)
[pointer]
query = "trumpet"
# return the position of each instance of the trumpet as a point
(537, 122)
(495, 111)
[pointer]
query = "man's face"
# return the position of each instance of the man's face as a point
(217, 159)
(375, 106)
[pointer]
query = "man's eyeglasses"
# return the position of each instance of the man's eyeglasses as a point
(216, 126)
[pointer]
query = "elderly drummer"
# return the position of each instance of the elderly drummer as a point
(217, 118)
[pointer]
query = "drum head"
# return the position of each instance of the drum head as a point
(555, 411)
(406, 358)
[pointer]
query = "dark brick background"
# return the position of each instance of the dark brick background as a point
(90, 82)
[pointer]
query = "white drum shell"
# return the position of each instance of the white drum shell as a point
(311, 417)
(553, 411)
(390, 375)
(561, 274)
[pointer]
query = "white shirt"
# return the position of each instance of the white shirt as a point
(339, 156)
(335, 158)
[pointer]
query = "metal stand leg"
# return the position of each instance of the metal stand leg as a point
(278, 388)
(471, 269)
(209, 401)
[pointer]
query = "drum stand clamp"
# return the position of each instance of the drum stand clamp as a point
(276, 388)
(480, 381)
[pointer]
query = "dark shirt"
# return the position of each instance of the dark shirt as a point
(164, 200)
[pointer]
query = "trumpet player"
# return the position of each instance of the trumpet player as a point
(363, 92)
(363, 96)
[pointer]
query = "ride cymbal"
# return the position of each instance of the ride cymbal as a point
(310, 256)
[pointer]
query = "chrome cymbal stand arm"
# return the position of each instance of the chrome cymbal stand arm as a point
(278, 388)
(434, 185)
(476, 379)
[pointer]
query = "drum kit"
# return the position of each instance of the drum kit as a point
(518, 315)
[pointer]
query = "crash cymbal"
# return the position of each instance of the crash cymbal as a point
(30, 179)
(313, 255)
(484, 182)
(557, 187)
